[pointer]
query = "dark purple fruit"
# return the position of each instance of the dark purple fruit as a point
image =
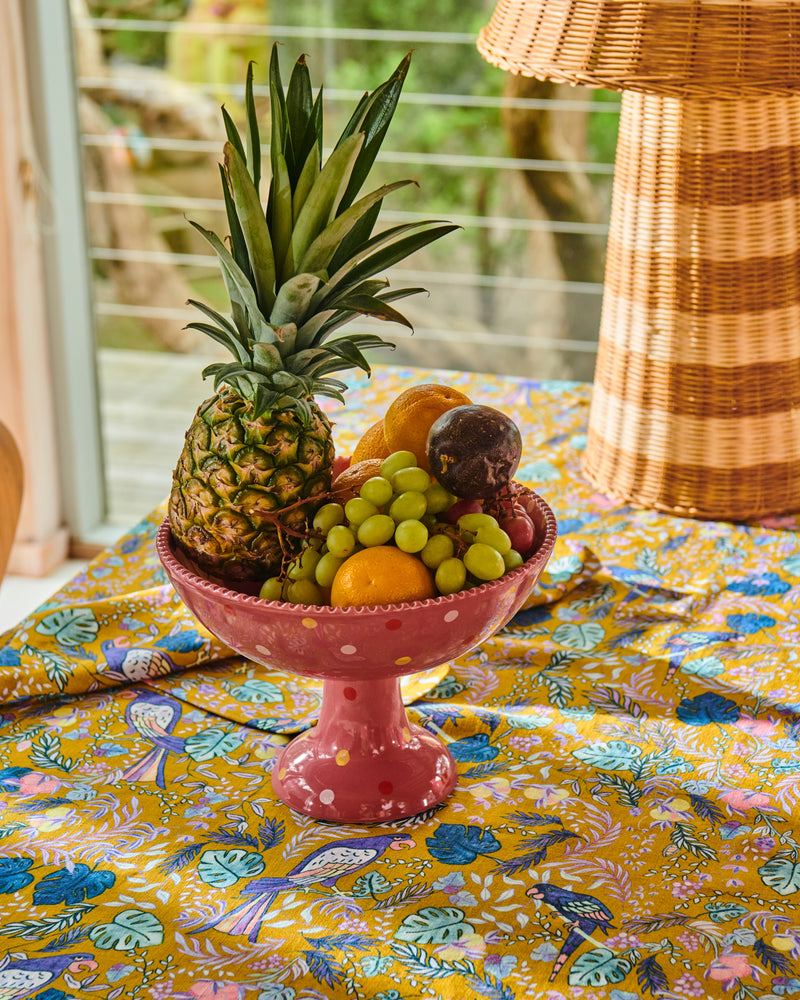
(474, 451)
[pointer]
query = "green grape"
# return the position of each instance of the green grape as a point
(327, 516)
(376, 530)
(341, 541)
(304, 592)
(397, 460)
(438, 498)
(410, 479)
(512, 559)
(326, 569)
(408, 506)
(302, 567)
(410, 535)
(484, 562)
(358, 510)
(471, 522)
(272, 589)
(490, 534)
(436, 550)
(451, 575)
(377, 490)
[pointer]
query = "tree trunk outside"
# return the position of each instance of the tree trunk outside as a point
(565, 196)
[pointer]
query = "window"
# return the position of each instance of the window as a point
(513, 290)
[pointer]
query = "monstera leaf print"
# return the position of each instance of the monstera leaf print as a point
(616, 755)
(70, 626)
(211, 743)
(473, 749)
(14, 874)
(707, 708)
(129, 929)
(65, 886)
(224, 868)
(579, 636)
(434, 925)
(782, 875)
(598, 968)
(456, 844)
(259, 692)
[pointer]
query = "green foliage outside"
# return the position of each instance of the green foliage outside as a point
(432, 126)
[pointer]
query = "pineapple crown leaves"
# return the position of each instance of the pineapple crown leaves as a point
(305, 266)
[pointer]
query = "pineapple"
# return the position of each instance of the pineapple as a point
(258, 455)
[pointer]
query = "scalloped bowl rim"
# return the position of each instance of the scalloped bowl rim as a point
(166, 547)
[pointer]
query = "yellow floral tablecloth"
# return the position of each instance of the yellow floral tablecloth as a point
(625, 822)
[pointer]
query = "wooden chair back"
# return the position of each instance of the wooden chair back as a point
(11, 483)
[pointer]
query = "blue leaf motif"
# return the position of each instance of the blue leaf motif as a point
(707, 708)
(70, 626)
(182, 642)
(14, 873)
(9, 778)
(719, 912)
(9, 657)
(616, 755)
(64, 886)
(473, 749)
(457, 844)
(749, 623)
(765, 584)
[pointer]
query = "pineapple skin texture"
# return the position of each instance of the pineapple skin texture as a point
(235, 479)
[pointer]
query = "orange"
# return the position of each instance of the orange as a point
(410, 416)
(348, 483)
(372, 444)
(381, 574)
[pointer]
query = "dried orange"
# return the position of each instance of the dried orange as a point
(372, 444)
(381, 574)
(348, 483)
(410, 416)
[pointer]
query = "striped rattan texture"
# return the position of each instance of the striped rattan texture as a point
(696, 408)
(710, 48)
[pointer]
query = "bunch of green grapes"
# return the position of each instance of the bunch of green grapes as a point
(401, 506)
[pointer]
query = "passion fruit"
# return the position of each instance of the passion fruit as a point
(474, 450)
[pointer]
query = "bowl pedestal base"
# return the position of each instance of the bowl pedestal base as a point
(363, 762)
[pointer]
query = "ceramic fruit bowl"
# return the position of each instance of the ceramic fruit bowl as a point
(364, 761)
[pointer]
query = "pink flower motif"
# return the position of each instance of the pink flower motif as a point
(742, 799)
(622, 941)
(36, 783)
(685, 889)
(726, 969)
(756, 727)
(209, 989)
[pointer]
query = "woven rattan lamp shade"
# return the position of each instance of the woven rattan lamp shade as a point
(696, 406)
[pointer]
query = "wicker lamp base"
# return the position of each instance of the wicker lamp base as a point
(696, 407)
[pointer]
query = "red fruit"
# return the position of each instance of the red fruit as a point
(459, 508)
(340, 463)
(519, 528)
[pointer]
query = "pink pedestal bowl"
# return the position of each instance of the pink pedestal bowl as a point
(364, 761)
